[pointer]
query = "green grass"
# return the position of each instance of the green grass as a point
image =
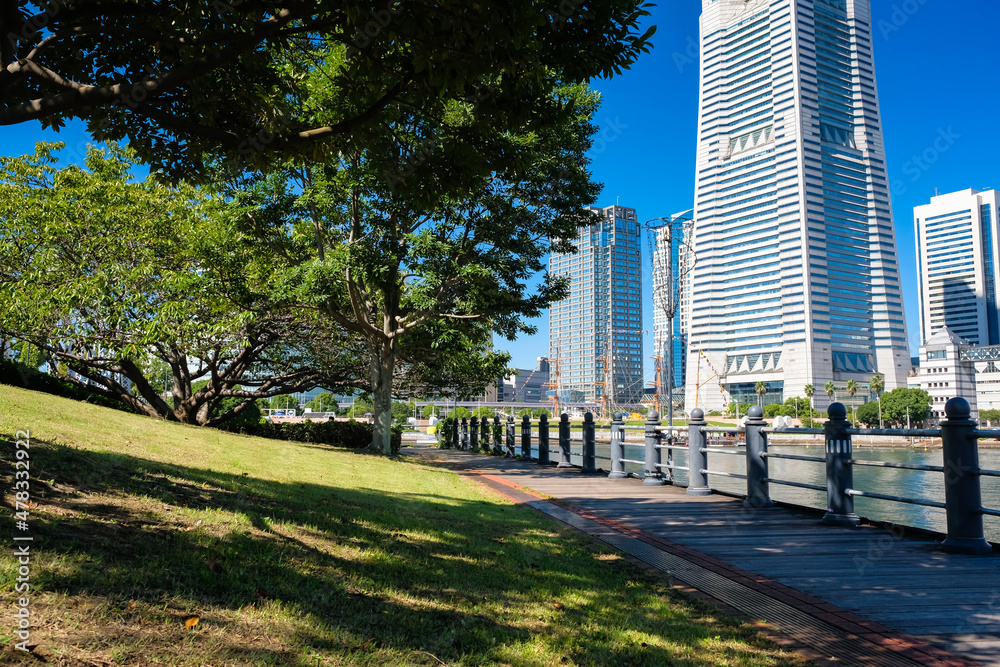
(296, 554)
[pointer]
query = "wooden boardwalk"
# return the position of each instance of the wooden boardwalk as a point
(903, 582)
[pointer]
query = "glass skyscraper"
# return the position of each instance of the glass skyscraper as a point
(796, 279)
(669, 273)
(957, 249)
(595, 336)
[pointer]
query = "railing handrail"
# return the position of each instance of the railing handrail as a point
(959, 436)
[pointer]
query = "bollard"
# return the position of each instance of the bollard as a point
(564, 461)
(454, 433)
(497, 436)
(510, 438)
(543, 440)
(526, 438)
(758, 490)
(474, 435)
(839, 470)
(589, 444)
(962, 488)
(697, 460)
(653, 475)
(617, 447)
(465, 433)
(484, 437)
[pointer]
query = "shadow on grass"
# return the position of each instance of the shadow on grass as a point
(365, 575)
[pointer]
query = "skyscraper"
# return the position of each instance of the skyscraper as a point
(957, 247)
(595, 337)
(796, 278)
(669, 276)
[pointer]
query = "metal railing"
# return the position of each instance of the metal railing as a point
(958, 433)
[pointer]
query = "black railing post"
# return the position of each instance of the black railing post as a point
(564, 452)
(589, 444)
(962, 489)
(510, 438)
(758, 491)
(839, 469)
(526, 438)
(543, 439)
(697, 460)
(653, 477)
(617, 447)
(484, 436)
(465, 433)
(497, 436)
(474, 434)
(454, 433)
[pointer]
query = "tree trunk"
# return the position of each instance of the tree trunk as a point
(382, 365)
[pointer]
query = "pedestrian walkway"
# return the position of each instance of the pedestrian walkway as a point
(861, 596)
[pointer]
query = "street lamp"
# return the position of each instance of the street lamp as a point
(669, 297)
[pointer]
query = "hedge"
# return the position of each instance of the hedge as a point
(18, 375)
(349, 434)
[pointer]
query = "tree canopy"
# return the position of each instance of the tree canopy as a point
(184, 81)
(138, 291)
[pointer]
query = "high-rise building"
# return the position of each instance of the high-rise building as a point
(595, 335)
(796, 279)
(957, 247)
(669, 275)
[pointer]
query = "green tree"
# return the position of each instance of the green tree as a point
(184, 82)
(852, 390)
(773, 410)
(992, 416)
(284, 402)
(401, 411)
(119, 280)
(877, 384)
(760, 389)
(869, 414)
(429, 410)
(426, 267)
(899, 403)
(831, 390)
(810, 391)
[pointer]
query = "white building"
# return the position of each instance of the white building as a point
(943, 372)
(956, 252)
(595, 336)
(796, 277)
(670, 271)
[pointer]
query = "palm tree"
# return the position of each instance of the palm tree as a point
(830, 389)
(852, 389)
(761, 389)
(810, 391)
(878, 385)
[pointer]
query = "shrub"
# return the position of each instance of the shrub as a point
(349, 434)
(17, 374)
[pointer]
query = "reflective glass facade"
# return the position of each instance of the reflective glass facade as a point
(595, 336)
(796, 279)
(956, 250)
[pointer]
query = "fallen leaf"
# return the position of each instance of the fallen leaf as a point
(191, 621)
(558, 605)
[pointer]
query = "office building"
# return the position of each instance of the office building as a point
(595, 335)
(958, 275)
(945, 371)
(795, 279)
(526, 385)
(670, 273)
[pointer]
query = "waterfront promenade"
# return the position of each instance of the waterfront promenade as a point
(861, 596)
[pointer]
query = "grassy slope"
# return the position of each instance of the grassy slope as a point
(295, 554)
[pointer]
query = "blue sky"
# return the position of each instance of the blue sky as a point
(935, 63)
